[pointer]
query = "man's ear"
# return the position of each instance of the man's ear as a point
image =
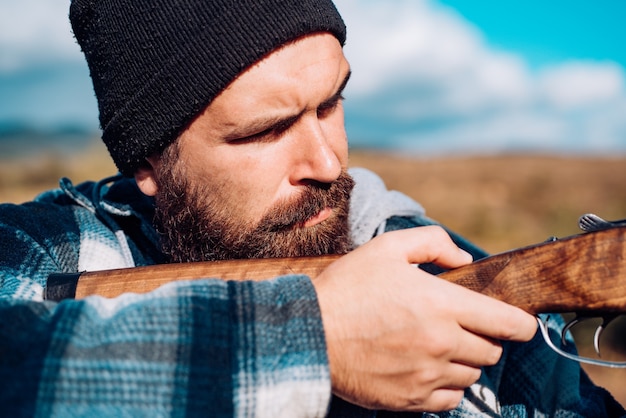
(145, 177)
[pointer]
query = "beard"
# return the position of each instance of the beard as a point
(195, 224)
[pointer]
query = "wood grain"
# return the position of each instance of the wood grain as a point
(584, 273)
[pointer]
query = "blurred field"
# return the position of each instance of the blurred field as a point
(499, 202)
(23, 178)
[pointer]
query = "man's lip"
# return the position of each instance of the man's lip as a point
(319, 218)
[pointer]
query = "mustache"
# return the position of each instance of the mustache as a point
(287, 214)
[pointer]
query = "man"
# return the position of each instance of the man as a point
(229, 115)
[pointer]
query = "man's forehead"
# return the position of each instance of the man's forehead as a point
(306, 50)
(299, 68)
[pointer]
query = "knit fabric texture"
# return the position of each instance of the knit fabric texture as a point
(156, 64)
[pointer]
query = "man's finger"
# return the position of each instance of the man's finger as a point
(475, 350)
(427, 244)
(496, 319)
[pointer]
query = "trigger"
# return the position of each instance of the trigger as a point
(578, 319)
(606, 320)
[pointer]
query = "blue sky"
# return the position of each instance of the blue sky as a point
(546, 32)
(430, 77)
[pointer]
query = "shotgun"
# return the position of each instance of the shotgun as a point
(583, 273)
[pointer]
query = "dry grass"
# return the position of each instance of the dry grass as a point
(507, 201)
(499, 202)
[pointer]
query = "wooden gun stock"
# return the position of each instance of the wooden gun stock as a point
(581, 273)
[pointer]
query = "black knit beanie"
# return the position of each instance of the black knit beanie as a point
(156, 64)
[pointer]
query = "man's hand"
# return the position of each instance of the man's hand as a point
(401, 339)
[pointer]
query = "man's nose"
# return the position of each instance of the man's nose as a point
(315, 157)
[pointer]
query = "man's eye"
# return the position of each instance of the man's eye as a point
(327, 108)
(259, 136)
(272, 133)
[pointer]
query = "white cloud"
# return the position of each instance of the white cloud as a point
(576, 84)
(397, 42)
(452, 91)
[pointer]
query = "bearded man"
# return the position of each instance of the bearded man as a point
(225, 120)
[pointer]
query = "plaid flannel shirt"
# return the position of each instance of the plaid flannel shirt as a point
(206, 347)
